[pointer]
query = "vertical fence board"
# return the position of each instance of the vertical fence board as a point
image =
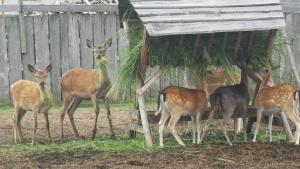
(4, 67)
(64, 42)
(296, 32)
(98, 29)
(14, 49)
(54, 34)
(110, 32)
(41, 32)
(86, 32)
(74, 50)
(28, 57)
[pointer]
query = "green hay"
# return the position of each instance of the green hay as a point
(167, 51)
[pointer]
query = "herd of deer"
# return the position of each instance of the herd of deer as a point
(173, 102)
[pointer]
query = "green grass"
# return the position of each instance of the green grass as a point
(124, 144)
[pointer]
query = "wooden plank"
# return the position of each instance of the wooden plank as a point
(55, 59)
(201, 3)
(98, 29)
(14, 49)
(73, 33)
(60, 8)
(4, 67)
(111, 53)
(296, 40)
(213, 10)
(292, 7)
(160, 29)
(28, 57)
(64, 42)
(86, 32)
(213, 17)
(22, 32)
(41, 32)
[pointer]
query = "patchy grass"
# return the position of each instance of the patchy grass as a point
(124, 144)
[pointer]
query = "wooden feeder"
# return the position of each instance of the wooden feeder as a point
(198, 17)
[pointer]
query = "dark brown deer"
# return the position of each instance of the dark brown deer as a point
(31, 96)
(227, 101)
(177, 101)
(279, 96)
(78, 84)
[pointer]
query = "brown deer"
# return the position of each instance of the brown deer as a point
(78, 84)
(279, 96)
(177, 101)
(31, 96)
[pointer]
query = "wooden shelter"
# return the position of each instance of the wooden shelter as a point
(197, 17)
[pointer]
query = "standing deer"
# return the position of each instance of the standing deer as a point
(31, 96)
(280, 96)
(177, 101)
(78, 84)
(229, 100)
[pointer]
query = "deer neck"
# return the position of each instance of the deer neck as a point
(46, 98)
(103, 72)
(244, 78)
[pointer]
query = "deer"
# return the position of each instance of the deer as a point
(30, 96)
(280, 96)
(227, 101)
(175, 102)
(82, 83)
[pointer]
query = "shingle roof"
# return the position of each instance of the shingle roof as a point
(173, 17)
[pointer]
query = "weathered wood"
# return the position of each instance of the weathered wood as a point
(269, 45)
(144, 57)
(149, 82)
(213, 17)
(225, 39)
(237, 44)
(86, 32)
(60, 8)
(64, 42)
(210, 42)
(29, 56)
(4, 66)
(73, 33)
(291, 8)
(14, 49)
(55, 59)
(41, 32)
(212, 10)
(160, 29)
(98, 29)
(191, 4)
(22, 33)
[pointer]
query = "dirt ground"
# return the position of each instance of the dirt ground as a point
(214, 156)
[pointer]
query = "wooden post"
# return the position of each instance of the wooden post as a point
(269, 45)
(140, 83)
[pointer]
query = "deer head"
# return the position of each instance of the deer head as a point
(265, 75)
(40, 74)
(99, 51)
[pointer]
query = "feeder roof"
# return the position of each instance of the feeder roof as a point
(174, 17)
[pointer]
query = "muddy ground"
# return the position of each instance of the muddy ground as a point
(214, 156)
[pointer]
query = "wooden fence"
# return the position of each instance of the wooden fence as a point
(57, 38)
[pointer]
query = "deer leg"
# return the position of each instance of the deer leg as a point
(107, 107)
(47, 126)
(258, 119)
(286, 127)
(236, 126)
(224, 128)
(172, 123)
(270, 123)
(199, 127)
(206, 125)
(296, 120)
(194, 128)
(16, 119)
(34, 127)
(96, 107)
(164, 117)
(66, 104)
(21, 115)
(71, 110)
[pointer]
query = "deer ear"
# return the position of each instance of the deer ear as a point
(90, 44)
(49, 68)
(31, 68)
(108, 43)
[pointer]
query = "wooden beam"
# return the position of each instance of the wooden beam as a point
(237, 44)
(149, 82)
(196, 46)
(144, 57)
(60, 8)
(269, 44)
(140, 83)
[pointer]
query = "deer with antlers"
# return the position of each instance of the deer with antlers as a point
(80, 83)
(31, 96)
(279, 96)
(177, 101)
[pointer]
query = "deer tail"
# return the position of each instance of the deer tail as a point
(160, 101)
